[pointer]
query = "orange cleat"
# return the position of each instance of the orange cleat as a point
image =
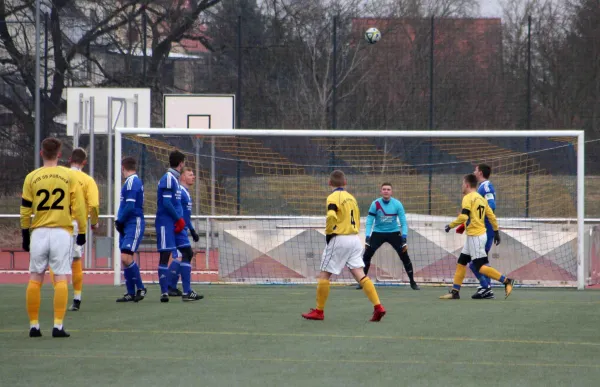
(378, 313)
(314, 314)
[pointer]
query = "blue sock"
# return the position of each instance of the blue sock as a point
(137, 276)
(129, 275)
(186, 277)
(163, 278)
(484, 281)
(174, 269)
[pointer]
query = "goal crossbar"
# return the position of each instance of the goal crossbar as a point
(579, 134)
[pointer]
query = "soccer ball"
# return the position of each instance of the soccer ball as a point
(372, 35)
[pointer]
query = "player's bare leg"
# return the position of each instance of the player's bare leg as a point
(369, 289)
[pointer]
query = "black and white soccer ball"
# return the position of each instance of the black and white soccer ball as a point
(372, 35)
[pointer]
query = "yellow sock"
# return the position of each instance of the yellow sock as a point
(369, 289)
(77, 269)
(459, 276)
(492, 273)
(61, 297)
(33, 299)
(322, 293)
(51, 276)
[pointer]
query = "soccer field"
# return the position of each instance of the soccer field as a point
(254, 336)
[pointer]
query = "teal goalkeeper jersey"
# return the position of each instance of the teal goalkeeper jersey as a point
(386, 216)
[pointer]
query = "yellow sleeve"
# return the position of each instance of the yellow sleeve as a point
(93, 201)
(464, 214)
(78, 207)
(489, 213)
(332, 218)
(26, 204)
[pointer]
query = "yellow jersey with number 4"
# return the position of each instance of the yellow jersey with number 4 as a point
(54, 197)
(343, 216)
(475, 209)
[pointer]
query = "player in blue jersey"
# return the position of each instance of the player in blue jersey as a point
(130, 225)
(186, 181)
(486, 189)
(386, 222)
(170, 230)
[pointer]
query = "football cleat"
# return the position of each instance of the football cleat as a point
(414, 286)
(193, 296)
(60, 332)
(174, 292)
(164, 297)
(378, 313)
(35, 332)
(140, 294)
(508, 287)
(452, 295)
(76, 305)
(483, 294)
(126, 298)
(314, 314)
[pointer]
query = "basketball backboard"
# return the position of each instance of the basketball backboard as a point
(199, 111)
(129, 108)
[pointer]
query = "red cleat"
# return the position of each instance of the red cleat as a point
(315, 314)
(378, 313)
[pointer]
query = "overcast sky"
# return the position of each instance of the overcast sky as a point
(490, 8)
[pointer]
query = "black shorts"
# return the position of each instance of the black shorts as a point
(393, 238)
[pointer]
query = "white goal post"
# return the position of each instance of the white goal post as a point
(471, 134)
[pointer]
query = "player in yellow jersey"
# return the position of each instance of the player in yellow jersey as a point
(344, 248)
(53, 196)
(475, 209)
(92, 201)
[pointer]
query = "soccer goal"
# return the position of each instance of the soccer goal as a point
(259, 199)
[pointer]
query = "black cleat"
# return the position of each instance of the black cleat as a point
(139, 296)
(126, 298)
(193, 296)
(414, 286)
(164, 297)
(35, 332)
(76, 305)
(483, 294)
(174, 292)
(59, 333)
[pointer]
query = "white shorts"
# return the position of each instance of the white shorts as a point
(475, 246)
(50, 247)
(342, 250)
(76, 251)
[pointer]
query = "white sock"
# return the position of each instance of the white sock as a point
(36, 326)
(58, 326)
(77, 297)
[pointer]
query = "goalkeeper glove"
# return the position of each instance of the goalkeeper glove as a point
(80, 239)
(179, 225)
(460, 229)
(120, 227)
(497, 237)
(25, 235)
(195, 236)
(448, 228)
(368, 241)
(404, 244)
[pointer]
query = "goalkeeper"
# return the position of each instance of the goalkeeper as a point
(385, 220)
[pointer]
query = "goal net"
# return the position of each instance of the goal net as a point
(259, 199)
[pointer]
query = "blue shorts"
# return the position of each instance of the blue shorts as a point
(167, 240)
(134, 233)
(490, 239)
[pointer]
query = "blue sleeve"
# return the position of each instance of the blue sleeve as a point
(403, 222)
(187, 214)
(126, 212)
(132, 187)
(490, 195)
(167, 186)
(370, 219)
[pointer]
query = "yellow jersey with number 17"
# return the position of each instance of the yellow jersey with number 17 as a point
(475, 208)
(54, 197)
(343, 216)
